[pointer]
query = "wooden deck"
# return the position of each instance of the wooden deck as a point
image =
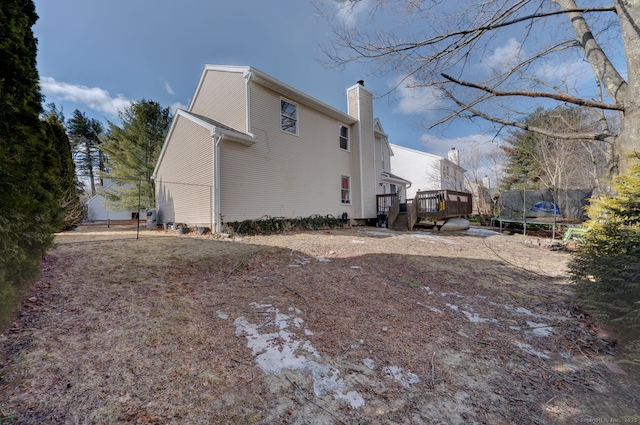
(442, 204)
(439, 204)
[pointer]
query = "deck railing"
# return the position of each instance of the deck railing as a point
(394, 209)
(384, 202)
(442, 203)
(413, 213)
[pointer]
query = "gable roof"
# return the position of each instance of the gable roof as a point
(253, 74)
(392, 178)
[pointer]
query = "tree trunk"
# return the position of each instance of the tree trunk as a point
(629, 137)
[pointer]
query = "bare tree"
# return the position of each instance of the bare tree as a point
(495, 61)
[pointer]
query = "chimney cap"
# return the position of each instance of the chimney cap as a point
(361, 82)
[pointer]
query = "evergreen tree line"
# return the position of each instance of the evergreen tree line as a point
(39, 188)
(36, 171)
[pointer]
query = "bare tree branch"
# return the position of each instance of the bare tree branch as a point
(538, 130)
(554, 96)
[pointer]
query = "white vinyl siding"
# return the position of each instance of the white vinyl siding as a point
(282, 175)
(222, 97)
(184, 178)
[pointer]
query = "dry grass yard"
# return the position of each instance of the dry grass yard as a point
(349, 326)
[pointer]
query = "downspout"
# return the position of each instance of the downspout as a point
(215, 219)
(247, 77)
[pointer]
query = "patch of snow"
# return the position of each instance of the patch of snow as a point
(369, 363)
(256, 305)
(475, 318)
(433, 238)
(474, 231)
(523, 310)
(308, 332)
(455, 294)
(452, 306)
(357, 241)
(435, 310)
(515, 328)
(221, 314)
(398, 375)
(297, 322)
(323, 259)
(386, 233)
(530, 350)
(275, 351)
(355, 267)
(297, 310)
(540, 329)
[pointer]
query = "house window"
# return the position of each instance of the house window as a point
(344, 137)
(288, 117)
(345, 189)
(382, 160)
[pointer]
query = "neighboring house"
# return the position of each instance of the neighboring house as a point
(251, 146)
(97, 209)
(482, 203)
(427, 171)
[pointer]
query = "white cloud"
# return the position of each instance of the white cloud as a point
(94, 97)
(350, 12)
(572, 73)
(440, 146)
(177, 105)
(415, 100)
(503, 58)
(168, 88)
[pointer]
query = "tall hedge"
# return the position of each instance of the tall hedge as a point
(29, 209)
(606, 268)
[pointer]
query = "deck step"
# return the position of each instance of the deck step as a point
(402, 222)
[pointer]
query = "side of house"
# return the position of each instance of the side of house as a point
(251, 146)
(427, 171)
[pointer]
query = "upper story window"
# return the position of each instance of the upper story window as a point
(382, 160)
(344, 137)
(288, 117)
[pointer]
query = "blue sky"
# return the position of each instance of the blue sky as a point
(98, 56)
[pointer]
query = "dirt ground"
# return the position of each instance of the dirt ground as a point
(348, 326)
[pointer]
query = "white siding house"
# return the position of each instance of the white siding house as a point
(427, 171)
(97, 209)
(250, 146)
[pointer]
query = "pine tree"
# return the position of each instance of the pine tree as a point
(606, 268)
(133, 149)
(85, 135)
(64, 170)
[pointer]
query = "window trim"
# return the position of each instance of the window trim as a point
(340, 137)
(348, 190)
(296, 119)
